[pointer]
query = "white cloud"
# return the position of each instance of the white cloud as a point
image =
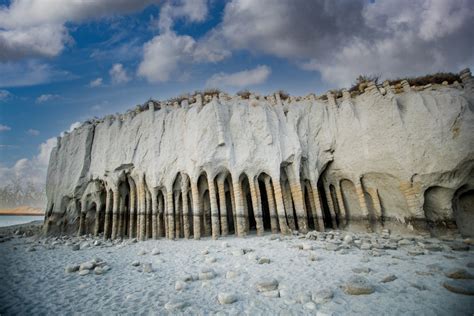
(193, 11)
(46, 97)
(37, 28)
(118, 74)
(96, 83)
(162, 55)
(4, 128)
(342, 39)
(32, 170)
(240, 79)
(4, 95)
(32, 132)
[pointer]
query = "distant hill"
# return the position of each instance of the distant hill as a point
(22, 210)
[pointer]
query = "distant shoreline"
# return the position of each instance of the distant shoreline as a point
(22, 211)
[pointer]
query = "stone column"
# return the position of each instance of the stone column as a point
(97, 219)
(288, 207)
(170, 214)
(312, 204)
(240, 216)
(176, 214)
(121, 217)
(342, 207)
(363, 205)
(318, 206)
(133, 225)
(159, 222)
(297, 194)
(256, 204)
(115, 213)
(186, 227)
(196, 211)
(223, 206)
(142, 210)
(332, 209)
(154, 210)
(214, 209)
(108, 208)
(232, 201)
(82, 219)
(280, 207)
(165, 214)
(271, 205)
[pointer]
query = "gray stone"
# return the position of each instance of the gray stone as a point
(458, 246)
(99, 270)
(358, 285)
(179, 285)
(361, 270)
(322, 296)
(274, 293)
(87, 266)
(303, 298)
(75, 247)
(206, 274)
(263, 260)
(459, 274)
(175, 305)
(266, 285)
(460, 287)
(135, 263)
(389, 278)
(226, 298)
(155, 252)
(310, 306)
(231, 274)
(72, 268)
(84, 272)
(147, 268)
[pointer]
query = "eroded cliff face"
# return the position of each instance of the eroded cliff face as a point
(383, 159)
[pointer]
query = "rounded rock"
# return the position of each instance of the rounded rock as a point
(226, 298)
(358, 285)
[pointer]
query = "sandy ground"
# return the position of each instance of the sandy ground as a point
(33, 279)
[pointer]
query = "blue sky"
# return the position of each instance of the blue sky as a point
(62, 62)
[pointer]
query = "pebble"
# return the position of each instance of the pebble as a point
(459, 274)
(135, 263)
(179, 285)
(238, 252)
(310, 306)
(175, 305)
(206, 274)
(205, 252)
(404, 242)
(358, 285)
(211, 260)
(155, 252)
(30, 249)
(303, 298)
(142, 252)
(147, 268)
(389, 278)
(84, 272)
(266, 285)
(348, 239)
(460, 287)
(99, 270)
(322, 296)
(274, 293)
(307, 246)
(361, 270)
(187, 278)
(365, 246)
(72, 268)
(263, 260)
(225, 245)
(458, 246)
(226, 298)
(87, 266)
(75, 247)
(231, 274)
(331, 247)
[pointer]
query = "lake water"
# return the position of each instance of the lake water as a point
(9, 220)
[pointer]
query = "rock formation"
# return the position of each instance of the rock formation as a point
(398, 157)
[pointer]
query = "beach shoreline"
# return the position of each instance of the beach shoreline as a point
(405, 274)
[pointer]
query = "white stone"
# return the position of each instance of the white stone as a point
(226, 298)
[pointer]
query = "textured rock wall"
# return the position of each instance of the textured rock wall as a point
(385, 158)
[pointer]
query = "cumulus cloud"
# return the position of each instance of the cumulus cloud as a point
(240, 79)
(31, 171)
(118, 74)
(4, 128)
(96, 83)
(4, 95)
(165, 53)
(46, 98)
(342, 39)
(37, 28)
(32, 132)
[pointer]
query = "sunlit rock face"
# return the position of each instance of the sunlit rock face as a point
(396, 157)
